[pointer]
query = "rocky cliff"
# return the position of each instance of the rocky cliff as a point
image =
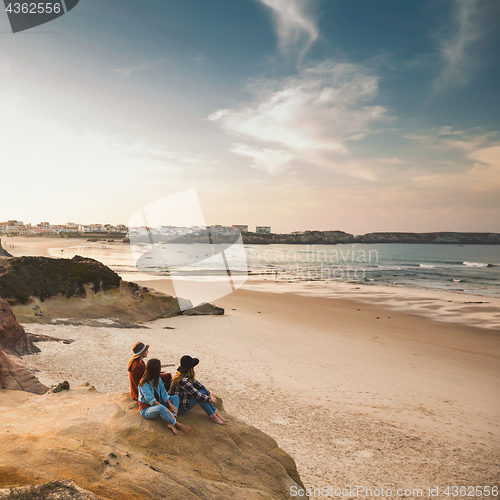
(334, 237)
(4, 253)
(15, 377)
(14, 340)
(443, 237)
(102, 443)
(311, 237)
(12, 334)
(42, 289)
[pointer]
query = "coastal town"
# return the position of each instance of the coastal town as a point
(19, 228)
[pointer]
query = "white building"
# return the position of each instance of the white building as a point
(13, 227)
(263, 229)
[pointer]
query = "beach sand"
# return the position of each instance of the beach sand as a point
(363, 386)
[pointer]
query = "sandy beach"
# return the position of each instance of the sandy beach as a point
(362, 385)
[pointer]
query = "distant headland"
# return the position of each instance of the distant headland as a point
(263, 235)
(329, 238)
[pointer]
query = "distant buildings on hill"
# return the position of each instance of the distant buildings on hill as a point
(16, 227)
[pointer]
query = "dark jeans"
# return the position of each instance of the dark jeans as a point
(209, 408)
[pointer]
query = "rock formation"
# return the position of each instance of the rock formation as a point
(102, 443)
(4, 253)
(14, 377)
(442, 237)
(13, 339)
(42, 289)
(12, 334)
(332, 238)
(53, 490)
(203, 310)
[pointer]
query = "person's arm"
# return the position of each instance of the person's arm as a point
(171, 407)
(162, 392)
(200, 387)
(192, 391)
(147, 395)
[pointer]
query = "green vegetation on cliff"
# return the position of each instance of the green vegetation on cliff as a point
(43, 277)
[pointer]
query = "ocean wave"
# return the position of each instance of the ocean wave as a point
(476, 264)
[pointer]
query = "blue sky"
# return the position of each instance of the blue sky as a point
(358, 115)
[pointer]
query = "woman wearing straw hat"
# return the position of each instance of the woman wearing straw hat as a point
(137, 367)
(192, 392)
(154, 400)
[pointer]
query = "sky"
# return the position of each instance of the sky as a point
(353, 115)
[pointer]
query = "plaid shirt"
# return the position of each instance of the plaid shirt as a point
(187, 390)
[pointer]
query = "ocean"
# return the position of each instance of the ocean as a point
(473, 269)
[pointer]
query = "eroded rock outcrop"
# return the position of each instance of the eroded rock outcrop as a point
(12, 335)
(54, 490)
(42, 289)
(204, 310)
(14, 377)
(14, 340)
(102, 443)
(4, 253)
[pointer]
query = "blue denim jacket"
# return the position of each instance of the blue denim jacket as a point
(147, 395)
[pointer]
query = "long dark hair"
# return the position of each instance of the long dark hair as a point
(153, 370)
(189, 373)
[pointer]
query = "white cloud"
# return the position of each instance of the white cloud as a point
(438, 140)
(308, 117)
(269, 160)
(139, 67)
(295, 26)
(450, 131)
(455, 49)
(486, 171)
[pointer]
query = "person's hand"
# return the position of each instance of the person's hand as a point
(213, 399)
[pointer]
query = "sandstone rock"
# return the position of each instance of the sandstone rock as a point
(203, 310)
(4, 253)
(12, 334)
(41, 289)
(102, 443)
(54, 490)
(17, 378)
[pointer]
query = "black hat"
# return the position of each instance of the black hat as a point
(187, 362)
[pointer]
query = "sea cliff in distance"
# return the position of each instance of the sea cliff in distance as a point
(334, 237)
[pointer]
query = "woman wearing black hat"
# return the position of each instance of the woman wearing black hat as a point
(191, 392)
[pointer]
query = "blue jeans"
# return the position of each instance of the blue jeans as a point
(154, 411)
(209, 408)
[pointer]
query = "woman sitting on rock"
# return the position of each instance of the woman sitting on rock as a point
(137, 367)
(190, 391)
(154, 400)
